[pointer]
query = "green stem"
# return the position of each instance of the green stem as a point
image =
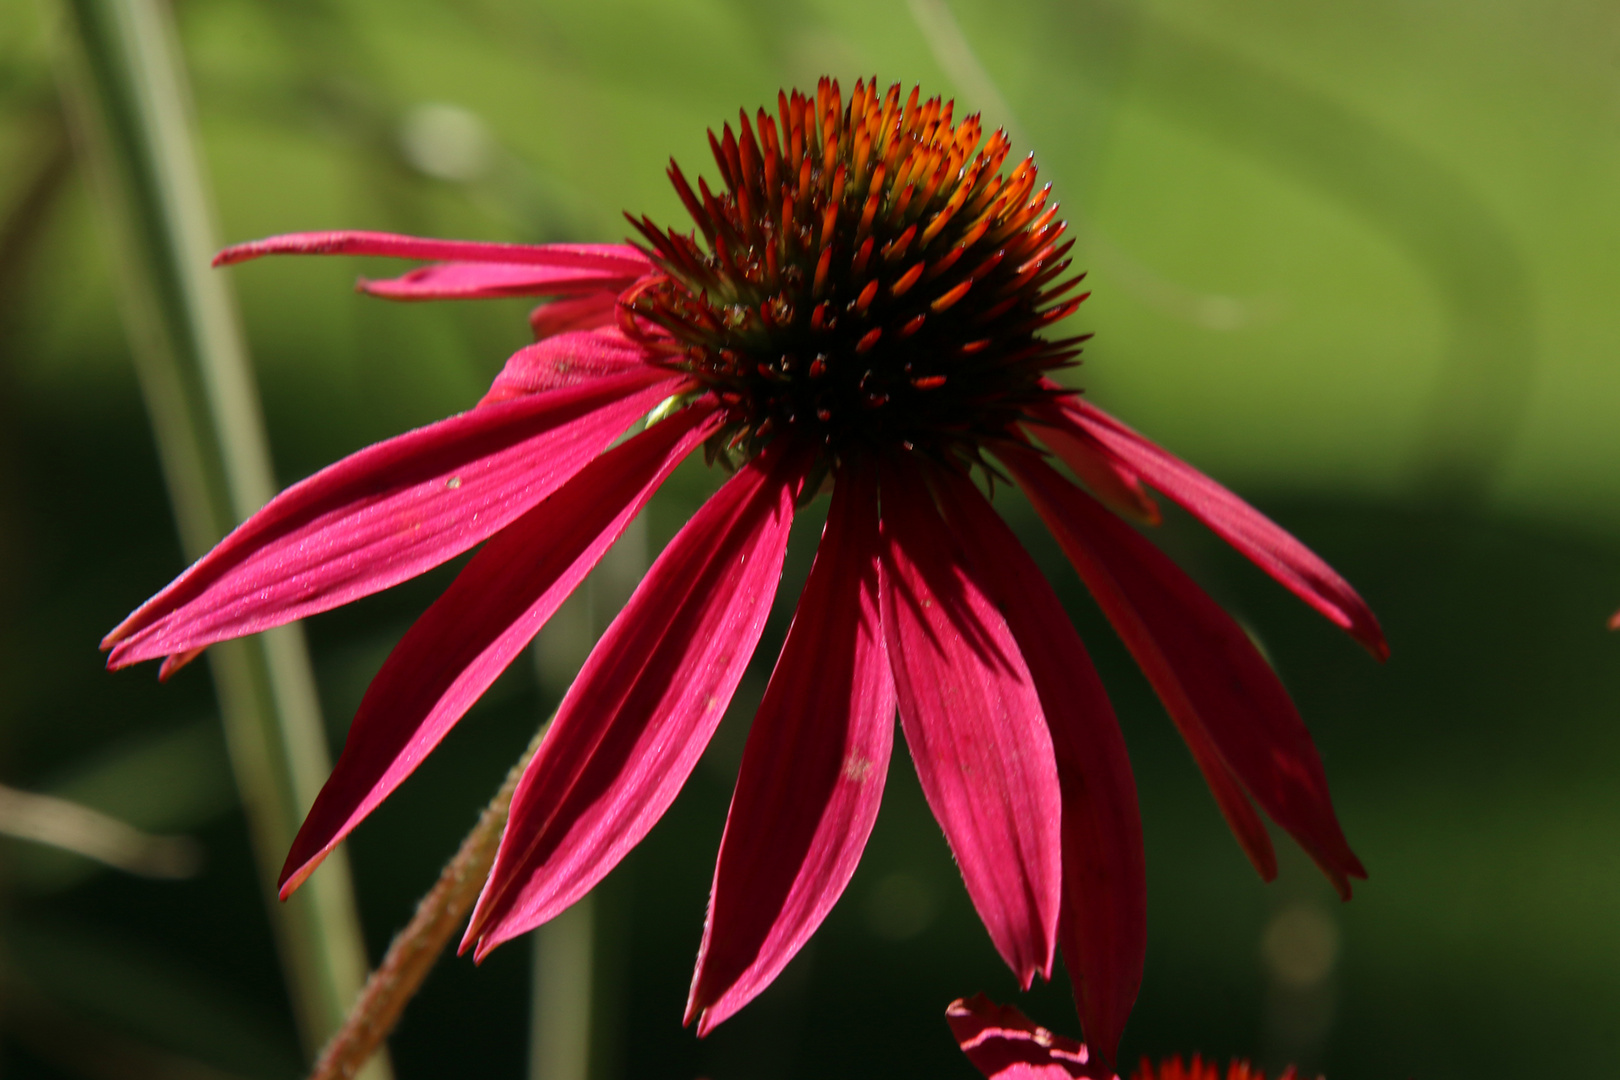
(125, 87)
(415, 949)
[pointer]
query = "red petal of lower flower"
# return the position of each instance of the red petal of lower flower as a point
(1269, 547)
(482, 281)
(973, 721)
(567, 360)
(620, 258)
(469, 636)
(1104, 929)
(1004, 1045)
(646, 702)
(1209, 674)
(812, 774)
(385, 514)
(574, 313)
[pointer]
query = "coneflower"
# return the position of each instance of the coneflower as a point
(864, 307)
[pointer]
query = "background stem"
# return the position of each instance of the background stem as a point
(129, 104)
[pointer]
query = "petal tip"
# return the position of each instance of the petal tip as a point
(1265, 861)
(298, 868)
(1371, 636)
(485, 932)
(1352, 868)
(709, 1019)
(291, 882)
(175, 661)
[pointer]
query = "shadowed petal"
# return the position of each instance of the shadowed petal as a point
(1004, 1045)
(1103, 932)
(619, 258)
(1209, 674)
(812, 774)
(471, 633)
(385, 514)
(637, 718)
(571, 359)
(573, 313)
(1118, 485)
(1269, 547)
(1111, 480)
(973, 721)
(480, 281)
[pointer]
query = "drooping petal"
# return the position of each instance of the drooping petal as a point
(564, 360)
(385, 514)
(1268, 546)
(812, 773)
(1005, 1045)
(635, 721)
(1212, 679)
(1103, 932)
(618, 258)
(1111, 480)
(500, 600)
(572, 313)
(973, 721)
(482, 281)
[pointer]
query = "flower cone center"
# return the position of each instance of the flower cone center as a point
(867, 277)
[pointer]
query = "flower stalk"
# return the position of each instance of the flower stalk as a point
(128, 103)
(414, 949)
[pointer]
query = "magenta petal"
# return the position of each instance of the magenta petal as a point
(1003, 1044)
(615, 258)
(482, 281)
(1104, 927)
(1268, 546)
(635, 721)
(573, 313)
(973, 721)
(385, 514)
(568, 360)
(1214, 682)
(471, 633)
(175, 661)
(1108, 478)
(812, 774)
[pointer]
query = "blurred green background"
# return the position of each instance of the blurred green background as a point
(1356, 261)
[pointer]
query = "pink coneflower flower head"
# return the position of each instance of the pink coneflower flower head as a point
(863, 307)
(1004, 1044)
(1173, 1068)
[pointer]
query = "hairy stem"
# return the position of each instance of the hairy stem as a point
(415, 949)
